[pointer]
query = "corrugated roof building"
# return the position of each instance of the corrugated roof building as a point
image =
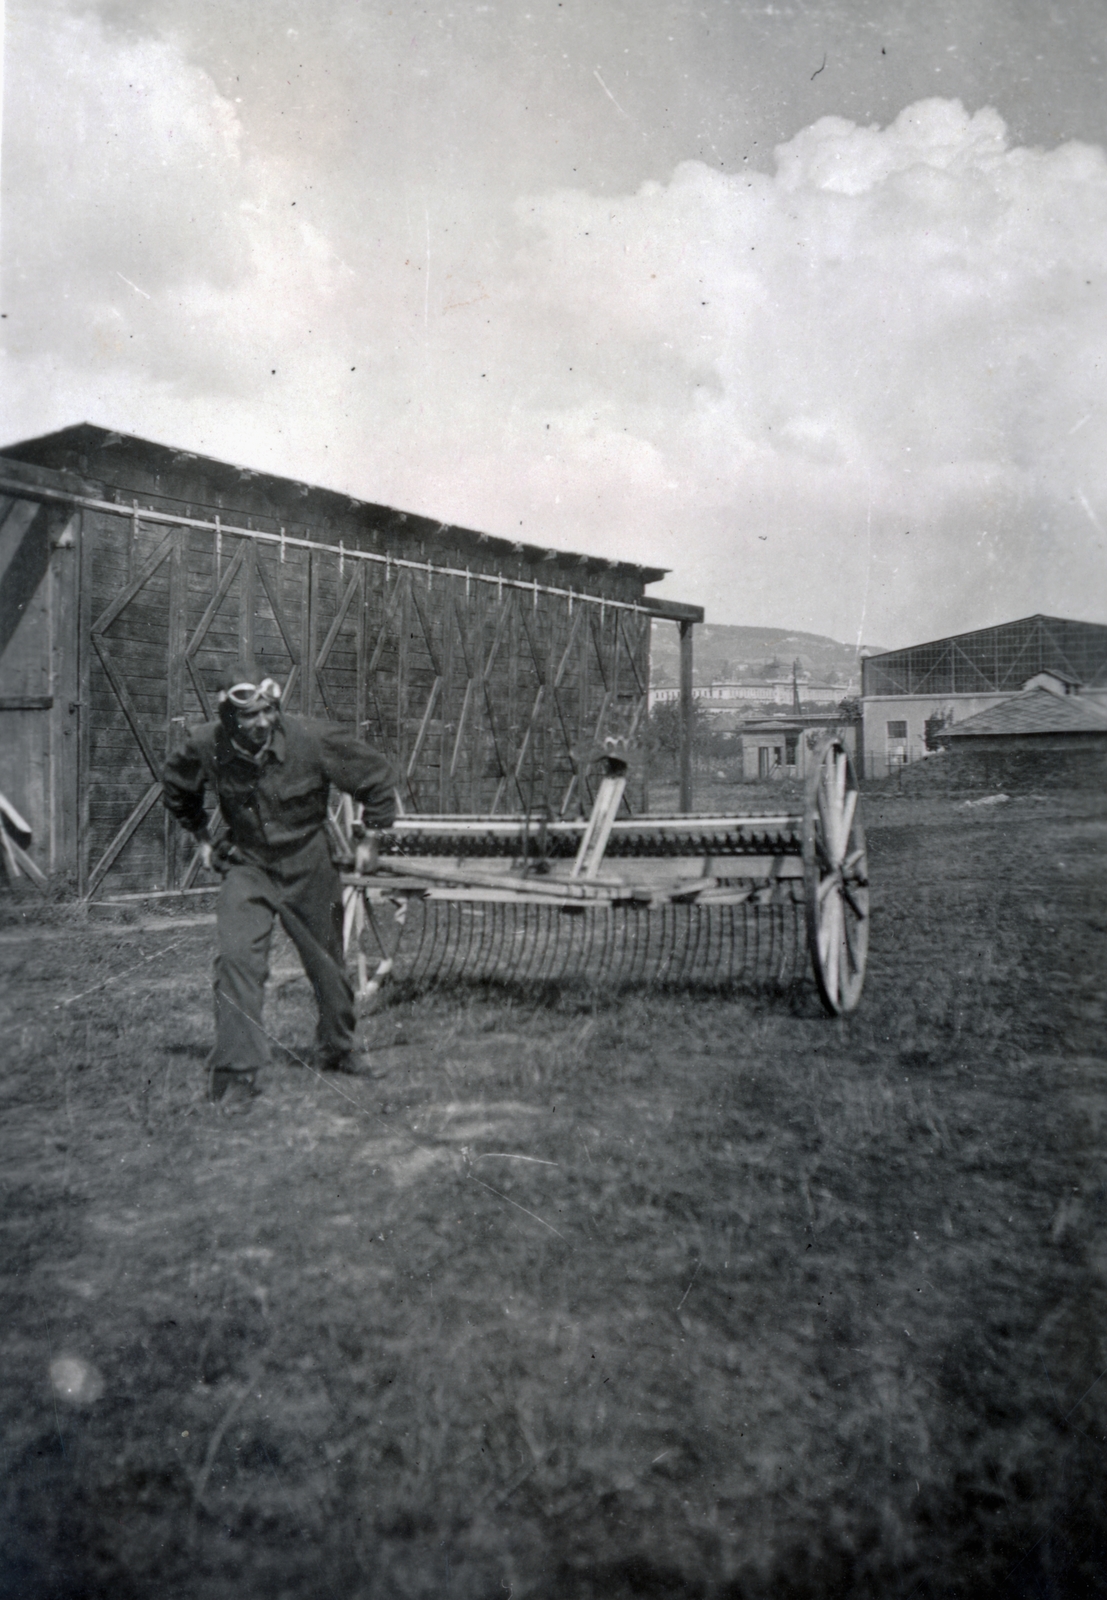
(909, 696)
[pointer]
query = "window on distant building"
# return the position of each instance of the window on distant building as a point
(791, 740)
(897, 730)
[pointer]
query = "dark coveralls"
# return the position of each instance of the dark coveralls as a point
(275, 807)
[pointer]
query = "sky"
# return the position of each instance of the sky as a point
(806, 302)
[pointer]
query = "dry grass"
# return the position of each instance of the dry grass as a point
(594, 1297)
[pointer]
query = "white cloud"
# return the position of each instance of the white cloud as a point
(886, 359)
(861, 394)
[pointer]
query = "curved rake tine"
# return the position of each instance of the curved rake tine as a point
(529, 942)
(770, 954)
(505, 947)
(667, 947)
(555, 948)
(481, 914)
(439, 956)
(600, 969)
(695, 912)
(447, 945)
(714, 943)
(469, 916)
(588, 939)
(417, 975)
(442, 949)
(642, 929)
(584, 926)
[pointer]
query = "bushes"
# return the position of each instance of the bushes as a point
(958, 770)
(710, 744)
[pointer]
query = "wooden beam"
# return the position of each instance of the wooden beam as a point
(28, 529)
(24, 863)
(123, 600)
(686, 713)
(65, 683)
(670, 610)
(84, 696)
(122, 694)
(417, 747)
(594, 841)
(129, 827)
(176, 641)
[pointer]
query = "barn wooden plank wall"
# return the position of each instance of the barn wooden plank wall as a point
(483, 694)
(38, 686)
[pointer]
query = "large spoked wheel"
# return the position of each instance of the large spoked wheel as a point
(836, 880)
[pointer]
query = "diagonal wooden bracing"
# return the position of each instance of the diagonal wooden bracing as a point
(198, 638)
(485, 697)
(351, 589)
(284, 628)
(115, 673)
(420, 609)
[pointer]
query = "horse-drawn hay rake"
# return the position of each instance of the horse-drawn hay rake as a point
(659, 901)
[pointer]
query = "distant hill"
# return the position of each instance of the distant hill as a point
(724, 652)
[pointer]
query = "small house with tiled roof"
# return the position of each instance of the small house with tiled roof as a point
(1039, 718)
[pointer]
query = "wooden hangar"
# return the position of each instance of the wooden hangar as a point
(129, 572)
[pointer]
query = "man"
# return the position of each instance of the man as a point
(271, 774)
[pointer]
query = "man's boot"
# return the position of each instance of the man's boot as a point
(233, 1087)
(354, 1063)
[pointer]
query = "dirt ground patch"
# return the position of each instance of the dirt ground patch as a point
(593, 1297)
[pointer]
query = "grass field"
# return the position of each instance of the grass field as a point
(590, 1296)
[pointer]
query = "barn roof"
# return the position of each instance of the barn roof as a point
(1037, 711)
(128, 463)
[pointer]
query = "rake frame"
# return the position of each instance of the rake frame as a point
(667, 900)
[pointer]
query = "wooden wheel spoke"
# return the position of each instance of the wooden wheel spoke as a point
(823, 941)
(828, 842)
(834, 945)
(854, 904)
(851, 933)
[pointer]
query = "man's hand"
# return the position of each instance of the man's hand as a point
(207, 854)
(367, 854)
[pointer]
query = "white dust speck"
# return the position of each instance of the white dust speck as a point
(76, 1381)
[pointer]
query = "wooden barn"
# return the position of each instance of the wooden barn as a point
(129, 572)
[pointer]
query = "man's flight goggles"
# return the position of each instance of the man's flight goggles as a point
(253, 696)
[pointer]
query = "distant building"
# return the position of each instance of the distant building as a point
(784, 747)
(910, 698)
(744, 693)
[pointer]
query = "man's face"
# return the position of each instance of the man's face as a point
(252, 728)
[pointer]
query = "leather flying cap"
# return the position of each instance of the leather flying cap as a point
(242, 686)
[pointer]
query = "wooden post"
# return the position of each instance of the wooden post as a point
(686, 716)
(311, 686)
(177, 641)
(84, 685)
(65, 687)
(247, 602)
